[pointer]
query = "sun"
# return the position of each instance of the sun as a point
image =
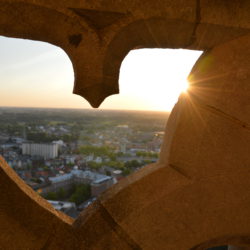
(164, 95)
(153, 79)
(184, 85)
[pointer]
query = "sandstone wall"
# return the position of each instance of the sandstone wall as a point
(197, 195)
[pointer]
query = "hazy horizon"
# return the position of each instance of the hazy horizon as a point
(83, 109)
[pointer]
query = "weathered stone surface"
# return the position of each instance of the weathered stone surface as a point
(206, 144)
(220, 81)
(197, 195)
(97, 229)
(207, 36)
(226, 13)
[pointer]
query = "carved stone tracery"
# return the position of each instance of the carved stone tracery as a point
(197, 195)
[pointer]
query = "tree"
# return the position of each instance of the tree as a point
(114, 164)
(82, 193)
(94, 165)
(37, 180)
(51, 196)
(108, 173)
(61, 194)
(126, 171)
(46, 168)
(97, 151)
(132, 164)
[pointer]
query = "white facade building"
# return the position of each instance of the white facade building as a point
(47, 150)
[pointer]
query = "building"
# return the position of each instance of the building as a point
(98, 182)
(100, 185)
(46, 150)
(66, 207)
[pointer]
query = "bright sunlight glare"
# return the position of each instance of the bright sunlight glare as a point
(37, 74)
(152, 79)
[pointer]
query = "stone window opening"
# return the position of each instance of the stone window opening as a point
(187, 184)
(40, 61)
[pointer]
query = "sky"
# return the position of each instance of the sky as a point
(38, 74)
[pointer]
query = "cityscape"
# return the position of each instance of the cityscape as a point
(71, 156)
